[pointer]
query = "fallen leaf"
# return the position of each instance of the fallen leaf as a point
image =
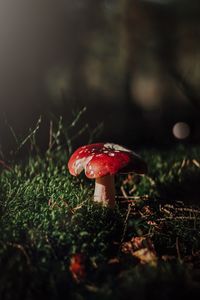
(77, 267)
(146, 256)
(114, 260)
(146, 210)
(168, 257)
(141, 248)
(91, 288)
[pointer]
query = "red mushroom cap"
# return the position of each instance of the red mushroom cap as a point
(103, 159)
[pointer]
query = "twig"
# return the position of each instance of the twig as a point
(182, 209)
(80, 113)
(183, 164)
(178, 250)
(31, 134)
(52, 203)
(163, 209)
(191, 210)
(50, 135)
(127, 215)
(21, 248)
(133, 198)
(153, 183)
(196, 163)
(124, 192)
(126, 223)
(133, 190)
(78, 206)
(178, 218)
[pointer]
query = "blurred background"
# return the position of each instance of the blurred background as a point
(135, 65)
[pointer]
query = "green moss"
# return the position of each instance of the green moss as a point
(47, 216)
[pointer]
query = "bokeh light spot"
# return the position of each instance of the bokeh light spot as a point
(181, 130)
(147, 91)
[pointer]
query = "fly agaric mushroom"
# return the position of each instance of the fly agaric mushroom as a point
(101, 162)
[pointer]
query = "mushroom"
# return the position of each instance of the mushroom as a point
(102, 162)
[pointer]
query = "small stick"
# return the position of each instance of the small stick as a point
(132, 190)
(178, 250)
(50, 135)
(21, 248)
(124, 192)
(196, 163)
(134, 197)
(183, 209)
(151, 180)
(166, 211)
(178, 218)
(125, 223)
(191, 210)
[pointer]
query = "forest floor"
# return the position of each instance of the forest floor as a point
(56, 243)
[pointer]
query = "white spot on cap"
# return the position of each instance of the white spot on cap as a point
(116, 147)
(111, 154)
(80, 164)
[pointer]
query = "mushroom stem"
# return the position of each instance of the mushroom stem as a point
(105, 190)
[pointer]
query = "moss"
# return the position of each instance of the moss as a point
(47, 216)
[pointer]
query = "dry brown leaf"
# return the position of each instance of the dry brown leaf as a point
(141, 248)
(77, 267)
(114, 260)
(146, 256)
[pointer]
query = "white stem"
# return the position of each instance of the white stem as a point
(105, 190)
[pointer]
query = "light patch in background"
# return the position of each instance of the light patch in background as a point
(158, 1)
(94, 74)
(105, 77)
(58, 83)
(189, 65)
(110, 7)
(147, 91)
(181, 130)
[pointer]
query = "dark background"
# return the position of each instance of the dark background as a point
(134, 64)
